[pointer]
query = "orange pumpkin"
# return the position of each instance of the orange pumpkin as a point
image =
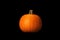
(30, 22)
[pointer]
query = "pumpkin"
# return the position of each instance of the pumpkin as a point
(30, 22)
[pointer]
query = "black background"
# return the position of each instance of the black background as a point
(12, 10)
(15, 9)
(39, 7)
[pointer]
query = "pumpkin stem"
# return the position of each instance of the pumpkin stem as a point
(30, 11)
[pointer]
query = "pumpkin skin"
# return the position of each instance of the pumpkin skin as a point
(30, 23)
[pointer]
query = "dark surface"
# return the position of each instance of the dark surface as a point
(19, 8)
(12, 10)
(39, 7)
